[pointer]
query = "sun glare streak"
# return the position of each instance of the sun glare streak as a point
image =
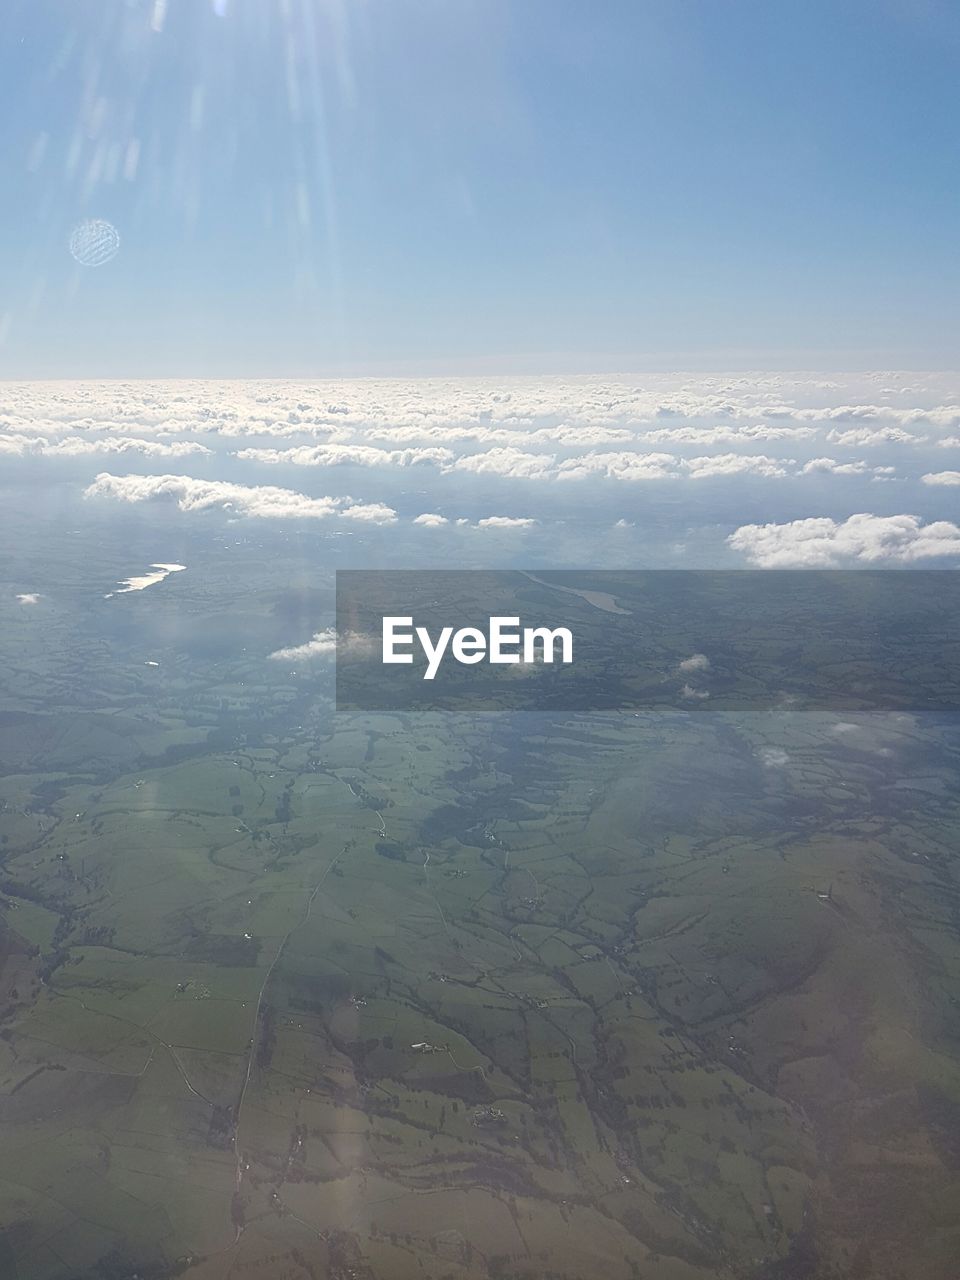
(175, 105)
(319, 121)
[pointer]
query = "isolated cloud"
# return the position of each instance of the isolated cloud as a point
(261, 501)
(326, 644)
(323, 645)
(696, 662)
(830, 466)
(29, 597)
(694, 695)
(733, 464)
(368, 512)
(505, 522)
(820, 542)
(621, 465)
(430, 520)
(948, 478)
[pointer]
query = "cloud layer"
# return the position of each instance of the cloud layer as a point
(663, 428)
(800, 451)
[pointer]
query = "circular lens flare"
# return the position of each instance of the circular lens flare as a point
(94, 242)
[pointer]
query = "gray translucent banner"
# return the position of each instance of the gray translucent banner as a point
(693, 640)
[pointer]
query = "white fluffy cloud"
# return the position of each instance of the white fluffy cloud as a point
(367, 512)
(830, 466)
(820, 542)
(23, 446)
(505, 522)
(520, 428)
(262, 501)
(504, 436)
(696, 662)
(733, 464)
(576, 412)
(323, 645)
(692, 694)
(508, 462)
(701, 436)
(352, 455)
(866, 437)
(623, 465)
(619, 466)
(326, 644)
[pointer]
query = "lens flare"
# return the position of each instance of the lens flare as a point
(94, 242)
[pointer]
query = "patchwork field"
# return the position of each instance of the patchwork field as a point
(295, 994)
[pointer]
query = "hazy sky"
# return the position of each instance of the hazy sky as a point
(416, 186)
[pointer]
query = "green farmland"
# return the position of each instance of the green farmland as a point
(291, 994)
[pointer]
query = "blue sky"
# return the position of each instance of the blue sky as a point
(308, 187)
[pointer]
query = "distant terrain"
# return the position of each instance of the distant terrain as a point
(292, 993)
